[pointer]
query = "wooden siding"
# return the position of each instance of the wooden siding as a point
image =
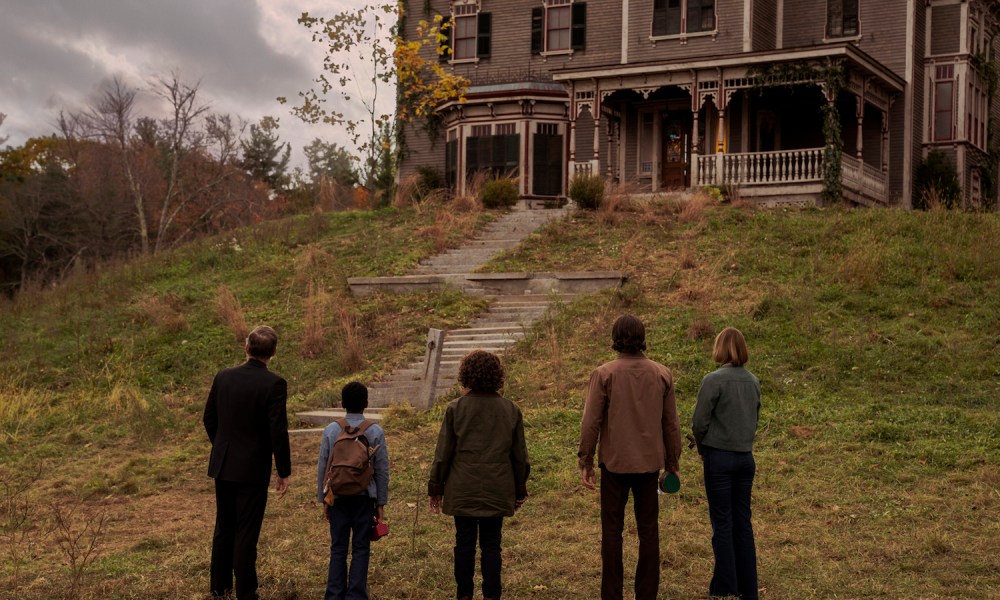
(880, 40)
(916, 118)
(799, 31)
(728, 40)
(946, 29)
(763, 24)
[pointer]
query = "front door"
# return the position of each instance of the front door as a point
(676, 150)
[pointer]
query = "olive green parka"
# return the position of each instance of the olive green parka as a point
(481, 461)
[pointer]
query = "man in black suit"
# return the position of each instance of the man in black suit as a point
(246, 422)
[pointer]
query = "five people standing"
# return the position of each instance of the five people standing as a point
(480, 469)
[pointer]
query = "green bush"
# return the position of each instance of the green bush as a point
(429, 179)
(587, 191)
(937, 183)
(499, 193)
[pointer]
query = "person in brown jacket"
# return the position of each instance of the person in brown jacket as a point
(632, 413)
(480, 469)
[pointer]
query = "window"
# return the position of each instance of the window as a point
(674, 17)
(498, 154)
(468, 33)
(944, 103)
(559, 27)
(842, 18)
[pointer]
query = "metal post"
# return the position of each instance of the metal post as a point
(432, 366)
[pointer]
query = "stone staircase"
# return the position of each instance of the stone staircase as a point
(506, 320)
(506, 232)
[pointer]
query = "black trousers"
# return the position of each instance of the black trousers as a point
(490, 533)
(615, 488)
(728, 485)
(239, 513)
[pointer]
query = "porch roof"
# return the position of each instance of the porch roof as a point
(842, 50)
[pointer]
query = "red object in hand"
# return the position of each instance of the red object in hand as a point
(380, 529)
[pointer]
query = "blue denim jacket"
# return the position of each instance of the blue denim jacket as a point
(379, 486)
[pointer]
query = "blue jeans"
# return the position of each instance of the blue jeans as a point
(350, 525)
(728, 482)
(489, 530)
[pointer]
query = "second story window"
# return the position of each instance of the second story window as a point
(675, 17)
(468, 33)
(842, 18)
(558, 26)
(944, 103)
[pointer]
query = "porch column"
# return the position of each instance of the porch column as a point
(720, 145)
(611, 147)
(885, 142)
(695, 171)
(597, 128)
(861, 118)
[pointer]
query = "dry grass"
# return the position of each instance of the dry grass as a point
(332, 195)
(686, 258)
(165, 312)
(351, 351)
(20, 404)
(230, 313)
(313, 342)
(694, 209)
(863, 264)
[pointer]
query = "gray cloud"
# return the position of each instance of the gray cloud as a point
(56, 54)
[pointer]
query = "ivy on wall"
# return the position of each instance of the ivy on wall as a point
(832, 77)
(987, 66)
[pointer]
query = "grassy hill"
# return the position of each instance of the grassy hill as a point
(874, 334)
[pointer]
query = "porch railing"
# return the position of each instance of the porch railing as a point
(863, 179)
(583, 168)
(785, 166)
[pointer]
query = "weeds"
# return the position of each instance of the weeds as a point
(314, 331)
(21, 534)
(230, 313)
(77, 533)
(352, 356)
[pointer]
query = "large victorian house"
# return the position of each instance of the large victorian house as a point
(669, 94)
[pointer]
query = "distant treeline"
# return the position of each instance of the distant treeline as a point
(113, 182)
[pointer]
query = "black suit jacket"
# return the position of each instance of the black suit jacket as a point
(246, 422)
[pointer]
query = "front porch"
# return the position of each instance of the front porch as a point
(722, 127)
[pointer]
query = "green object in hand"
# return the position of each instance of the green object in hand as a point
(671, 483)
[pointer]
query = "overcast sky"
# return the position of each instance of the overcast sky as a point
(55, 54)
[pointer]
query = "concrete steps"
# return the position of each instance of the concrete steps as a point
(505, 321)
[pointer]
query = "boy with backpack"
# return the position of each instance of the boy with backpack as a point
(353, 485)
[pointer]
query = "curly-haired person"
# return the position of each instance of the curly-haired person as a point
(480, 470)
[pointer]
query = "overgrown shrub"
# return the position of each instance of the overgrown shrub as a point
(429, 179)
(937, 183)
(499, 193)
(587, 191)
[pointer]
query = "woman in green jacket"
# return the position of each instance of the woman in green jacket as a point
(480, 470)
